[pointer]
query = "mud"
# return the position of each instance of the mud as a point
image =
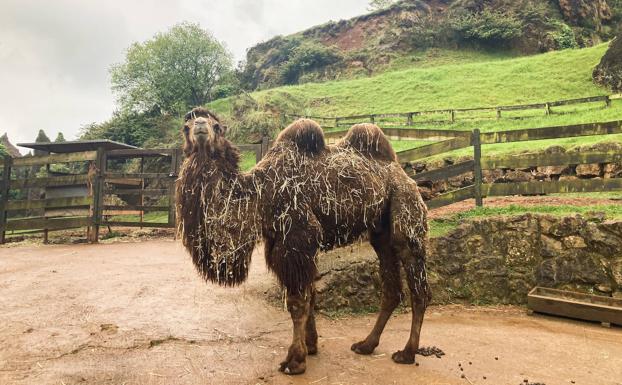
(136, 313)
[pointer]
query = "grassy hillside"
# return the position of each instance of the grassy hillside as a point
(551, 76)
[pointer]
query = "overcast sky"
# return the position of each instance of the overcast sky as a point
(55, 54)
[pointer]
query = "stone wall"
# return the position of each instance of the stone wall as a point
(491, 261)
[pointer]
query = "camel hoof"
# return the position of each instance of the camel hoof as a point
(363, 348)
(292, 367)
(403, 357)
(311, 350)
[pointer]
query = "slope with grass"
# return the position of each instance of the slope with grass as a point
(489, 82)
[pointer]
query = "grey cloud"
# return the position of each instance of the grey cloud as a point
(55, 55)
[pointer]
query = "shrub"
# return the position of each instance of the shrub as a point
(563, 36)
(488, 26)
(309, 56)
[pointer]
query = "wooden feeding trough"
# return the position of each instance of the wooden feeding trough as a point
(605, 310)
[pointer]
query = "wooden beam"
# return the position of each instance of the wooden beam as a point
(561, 159)
(138, 224)
(55, 158)
(4, 195)
(49, 203)
(477, 168)
(48, 223)
(66, 180)
(432, 149)
(552, 187)
(445, 172)
(451, 197)
(606, 128)
(139, 152)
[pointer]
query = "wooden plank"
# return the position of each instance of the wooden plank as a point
(172, 212)
(48, 223)
(551, 187)
(139, 152)
(66, 180)
(561, 159)
(605, 128)
(98, 192)
(432, 149)
(144, 175)
(68, 202)
(445, 172)
(477, 168)
(567, 102)
(54, 158)
(4, 194)
(424, 134)
(519, 107)
(575, 305)
(248, 147)
(136, 208)
(451, 197)
(335, 134)
(150, 192)
(138, 224)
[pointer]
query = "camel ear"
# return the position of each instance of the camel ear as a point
(188, 146)
(220, 129)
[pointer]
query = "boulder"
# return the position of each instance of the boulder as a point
(591, 170)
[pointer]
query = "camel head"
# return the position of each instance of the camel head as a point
(203, 132)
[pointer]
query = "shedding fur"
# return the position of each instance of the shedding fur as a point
(301, 198)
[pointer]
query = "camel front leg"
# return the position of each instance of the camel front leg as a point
(311, 332)
(299, 305)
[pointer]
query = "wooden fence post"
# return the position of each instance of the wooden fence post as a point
(453, 116)
(336, 122)
(548, 109)
(409, 119)
(498, 113)
(98, 193)
(172, 204)
(265, 144)
(4, 195)
(372, 119)
(607, 101)
(477, 168)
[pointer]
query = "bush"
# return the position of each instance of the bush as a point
(307, 57)
(563, 36)
(488, 26)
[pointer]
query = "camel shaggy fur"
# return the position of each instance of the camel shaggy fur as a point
(302, 198)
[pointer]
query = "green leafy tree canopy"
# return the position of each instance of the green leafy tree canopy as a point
(60, 138)
(375, 5)
(175, 70)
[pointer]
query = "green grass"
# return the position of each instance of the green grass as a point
(490, 82)
(442, 226)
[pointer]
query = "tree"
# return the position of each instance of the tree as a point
(42, 137)
(375, 5)
(60, 138)
(174, 71)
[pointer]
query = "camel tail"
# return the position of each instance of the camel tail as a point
(305, 134)
(370, 141)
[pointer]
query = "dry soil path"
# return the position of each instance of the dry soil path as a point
(136, 313)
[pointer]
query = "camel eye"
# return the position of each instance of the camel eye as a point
(217, 127)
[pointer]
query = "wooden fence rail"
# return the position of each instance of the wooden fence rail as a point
(452, 114)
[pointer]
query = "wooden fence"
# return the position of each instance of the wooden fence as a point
(480, 190)
(90, 189)
(450, 115)
(95, 188)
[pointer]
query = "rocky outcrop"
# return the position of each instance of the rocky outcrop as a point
(609, 71)
(367, 44)
(491, 261)
(585, 12)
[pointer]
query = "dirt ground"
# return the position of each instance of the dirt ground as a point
(136, 313)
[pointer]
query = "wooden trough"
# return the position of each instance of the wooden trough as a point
(605, 310)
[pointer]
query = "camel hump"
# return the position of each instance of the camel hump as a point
(306, 134)
(369, 139)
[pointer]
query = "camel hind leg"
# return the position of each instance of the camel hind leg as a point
(409, 242)
(413, 261)
(391, 289)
